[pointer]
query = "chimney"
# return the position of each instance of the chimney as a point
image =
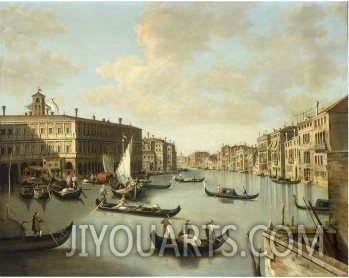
(120, 121)
(47, 108)
(317, 107)
(3, 110)
(93, 117)
(76, 112)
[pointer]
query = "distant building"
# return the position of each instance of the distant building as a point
(158, 155)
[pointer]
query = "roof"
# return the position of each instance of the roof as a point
(340, 106)
(38, 93)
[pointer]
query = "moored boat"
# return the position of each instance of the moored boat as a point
(320, 205)
(167, 245)
(230, 194)
(138, 210)
(26, 191)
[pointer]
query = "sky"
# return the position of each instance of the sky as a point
(200, 74)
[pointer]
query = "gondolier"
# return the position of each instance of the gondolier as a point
(36, 224)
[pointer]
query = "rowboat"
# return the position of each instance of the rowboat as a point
(138, 210)
(230, 194)
(169, 245)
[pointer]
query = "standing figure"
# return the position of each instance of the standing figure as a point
(36, 224)
(103, 192)
(245, 191)
(68, 180)
(75, 181)
(210, 234)
(218, 189)
(166, 223)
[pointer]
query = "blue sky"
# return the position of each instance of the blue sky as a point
(201, 74)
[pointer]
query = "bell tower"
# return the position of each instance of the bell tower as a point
(38, 103)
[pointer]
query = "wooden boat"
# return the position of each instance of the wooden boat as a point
(26, 191)
(120, 191)
(166, 245)
(13, 238)
(42, 192)
(62, 192)
(320, 205)
(157, 186)
(189, 179)
(230, 194)
(284, 181)
(138, 210)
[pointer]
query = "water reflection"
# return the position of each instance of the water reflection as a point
(196, 206)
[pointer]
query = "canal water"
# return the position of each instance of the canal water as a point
(120, 252)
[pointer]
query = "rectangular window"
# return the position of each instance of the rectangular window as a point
(3, 131)
(50, 130)
(42, 130)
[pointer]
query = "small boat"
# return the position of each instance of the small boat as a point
(26, 191)
(157, 186)
(62, 192)
(189, 179)
(320, 205)
(155, 211)
(13, 238)
(230, 194)
(284, 181)
(42, 192)
(166, 245)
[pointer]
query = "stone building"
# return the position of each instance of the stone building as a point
(158, 155)
(263, 142)
(76, 143)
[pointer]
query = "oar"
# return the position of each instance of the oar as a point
(82, 191)
(101, 203)
(50, 233)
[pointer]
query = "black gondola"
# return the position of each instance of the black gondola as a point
(166, 245)
(285, 181)
(21, 242)
(62, 192)
(157, 186)
(26, 191)
(138, 210)
(230, 194)
(189, 179)
(320, 205)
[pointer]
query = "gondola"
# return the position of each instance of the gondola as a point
(26, 191)
(166, 245)
(320, 205)
(157, 186)
(65, 193)
(230, 194)
(285, 181)
(138, 210)
(42, 192)
(189, 179)
(13, 238)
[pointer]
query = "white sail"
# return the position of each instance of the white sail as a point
(108, 164)
(123, 172)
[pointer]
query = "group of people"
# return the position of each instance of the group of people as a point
(187, 233)
(72, 182)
